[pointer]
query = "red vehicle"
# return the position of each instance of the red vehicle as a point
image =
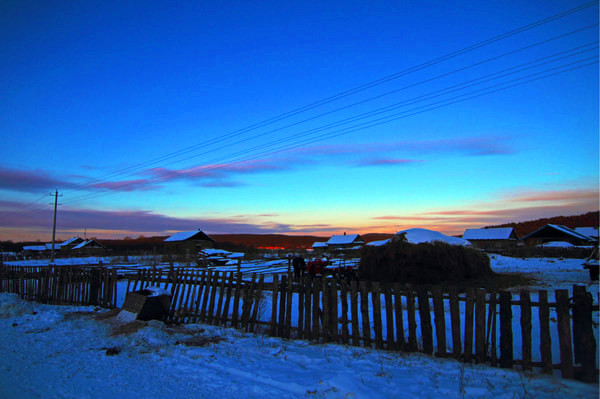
(317, 266)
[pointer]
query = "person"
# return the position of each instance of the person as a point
(299, 266)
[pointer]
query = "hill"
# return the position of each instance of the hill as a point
(589, 219)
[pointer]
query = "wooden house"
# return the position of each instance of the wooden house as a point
(188, 243)
(556, 232)
(89, 247)
(495, 239)
(345, 242)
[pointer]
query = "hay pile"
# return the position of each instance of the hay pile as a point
(425, 263)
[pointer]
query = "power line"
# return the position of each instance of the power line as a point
(346, 93)
(376, 122)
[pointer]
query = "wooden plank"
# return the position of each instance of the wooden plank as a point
(316, 311)
(307, 306)
(354, 313)
(480, 331)
(545, 340)
(376, 301)
(400, 341)
(282, 307)
(198, 297)
(425, 314)
(257, 302)
(221, 294)
(563, 318)
(333, 311)
(455, 323)
(273, 329)
(439, 320)
(300, 282)
(344, 300)
(225, 312)
(506, 334)
(492, 327)
(326, 312)
(207, 289)
(247, 304)
(288, 306)
(412, 322)
(364, 310)
(213, 295)
(468, 344)
(583, 334)
(526, 328)
(189, 285)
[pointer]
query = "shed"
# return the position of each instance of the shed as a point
(188, 242)
(89, 247)
(501, 238)
(557, 232)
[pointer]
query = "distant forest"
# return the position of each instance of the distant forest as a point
(589, 219)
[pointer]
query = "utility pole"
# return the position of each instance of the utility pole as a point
(54, 225)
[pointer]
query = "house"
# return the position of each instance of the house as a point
(557, 232)
(91, 247)
(344, 242)
(591, 232)
(501, 238)
(319, 246)
(188, 243)
(69, 244)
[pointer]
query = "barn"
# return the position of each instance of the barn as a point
(556, 232)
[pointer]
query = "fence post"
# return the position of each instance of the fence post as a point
(506, 334)
(583, 334)
(526, 328)
(545, 340)
(563, 318)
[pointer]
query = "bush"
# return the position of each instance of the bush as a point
(400, 261)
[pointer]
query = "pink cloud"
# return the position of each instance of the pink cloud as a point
(388, 162)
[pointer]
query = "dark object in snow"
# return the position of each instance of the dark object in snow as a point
(113, 351)
(148, 304)
(592, 264)
(14, 324)
(400, 261)
(201, 341)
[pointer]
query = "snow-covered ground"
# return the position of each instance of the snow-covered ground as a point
(65, 352)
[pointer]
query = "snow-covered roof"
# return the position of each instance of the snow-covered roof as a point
(345, 239)
(56, 246)
(591, 232)
(378, 243)
(186, 235)
(562, 229)
(34, 248)
(212, 252)
(500, 233)
(69, 241)
(319, 244)
(418, 235)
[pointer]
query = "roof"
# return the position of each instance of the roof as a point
(319, 244)
(345, 239)
(34, 248)
(501, 233)
(591, 232)
(188, 235)
(378, 243)
(419, 235)
(562, 229)
(70, 241)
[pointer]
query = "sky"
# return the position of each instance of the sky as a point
(319, 118)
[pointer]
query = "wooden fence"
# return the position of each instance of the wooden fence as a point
(62, 285)
(471, 326)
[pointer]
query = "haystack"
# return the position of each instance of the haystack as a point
(423, 263)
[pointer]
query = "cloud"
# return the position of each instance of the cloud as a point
(29, 180)
(387, 162)
(125, 185)
(555, 195)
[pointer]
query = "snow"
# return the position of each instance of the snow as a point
(182, 236)
(557, 244)
(379, 243)
(501, 233)
(591, 232)
(343, 239)
(65, 352)
(418, 235)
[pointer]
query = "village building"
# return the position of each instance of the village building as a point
(89, 247)
(319, 246)
(501, 238)
(69, 244)
(556, 232)
(188, 243)
(345, 242)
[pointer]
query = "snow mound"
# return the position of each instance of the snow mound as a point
(418, 236)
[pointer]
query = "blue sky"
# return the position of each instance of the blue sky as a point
(148, 117)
